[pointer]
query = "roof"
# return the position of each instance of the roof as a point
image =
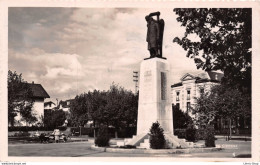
(65, 104)
(38, 91)
(49, 103)
(205, 80)
(188, 76)
(177, 84)
(215, 76)
(201, 78)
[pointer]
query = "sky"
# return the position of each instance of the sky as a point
(70, 51)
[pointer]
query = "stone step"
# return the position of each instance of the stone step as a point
(120, 143)
(136, 140)
(144, 145)
(191, 144)
(126, 140)
(146, 141)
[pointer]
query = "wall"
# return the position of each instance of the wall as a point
(37, 110)
(38, 107)
(194, 92)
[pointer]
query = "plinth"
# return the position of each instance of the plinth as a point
(155, 105)
(154, 96)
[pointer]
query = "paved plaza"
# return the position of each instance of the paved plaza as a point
(232, 148)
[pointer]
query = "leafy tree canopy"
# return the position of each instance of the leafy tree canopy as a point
(78, 111)
(221, 101)
(19, 99)
(116, 107)
(54, 118)
(180, 119)
(225, 41)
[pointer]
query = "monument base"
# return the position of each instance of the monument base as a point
(143, 141)
(154, 96)
(155, 104)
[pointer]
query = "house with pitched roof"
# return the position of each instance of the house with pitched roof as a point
(38, 95)
(49, 105)
(65, 105)
(184, 92)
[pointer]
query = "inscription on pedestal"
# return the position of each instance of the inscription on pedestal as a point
(163, 86)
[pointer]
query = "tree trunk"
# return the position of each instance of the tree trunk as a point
(94, 123)
(116, 134)
(230, 129)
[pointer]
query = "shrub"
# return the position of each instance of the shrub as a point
(22, 134)
(33, 128)
(102, 138)
(181, 119)
(157, 139)
(209, 137)
(200, 134)
(181, 133)
(191, 133)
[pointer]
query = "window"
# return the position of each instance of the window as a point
(188, 106)
(201, 90)
(177, 96)
(188, 94)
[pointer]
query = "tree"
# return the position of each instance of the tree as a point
(79, 114)
(54, 118)
(96, 102)
(19, 99)
(225, 41)
(102, 140)
(116, 107)
(180, 119)
(224, 102)
(121, 107)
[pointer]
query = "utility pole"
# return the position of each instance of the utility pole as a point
(135, 79)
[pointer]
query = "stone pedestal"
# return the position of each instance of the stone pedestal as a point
(155, 105)
(154, 96)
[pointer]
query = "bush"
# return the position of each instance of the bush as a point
(191, 133)
(181, 133)
(200, 134)
(209, 137)
(33, 128)
(22, 134)
(102, 138)
(181, 119)
(157, 139)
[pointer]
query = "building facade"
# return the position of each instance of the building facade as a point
(38, 95)
(65, 105)
(49, 105)
(190, 87)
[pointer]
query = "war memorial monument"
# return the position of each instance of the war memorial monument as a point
(154, 91)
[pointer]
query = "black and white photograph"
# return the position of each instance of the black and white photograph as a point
(124, 82)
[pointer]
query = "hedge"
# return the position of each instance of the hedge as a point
(33, 128)
(127, 132)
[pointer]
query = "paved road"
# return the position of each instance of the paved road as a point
(82, 149)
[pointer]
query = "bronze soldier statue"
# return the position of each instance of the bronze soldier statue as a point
(154, 34)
